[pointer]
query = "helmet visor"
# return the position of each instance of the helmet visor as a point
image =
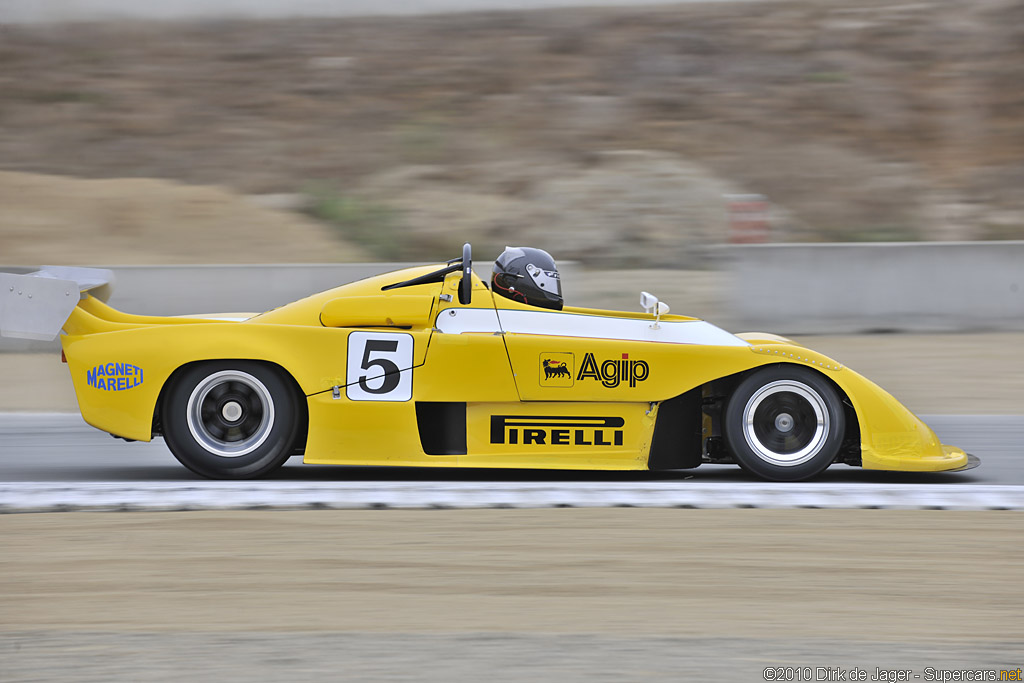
(545, 280)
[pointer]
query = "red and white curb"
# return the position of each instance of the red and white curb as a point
(164, 496)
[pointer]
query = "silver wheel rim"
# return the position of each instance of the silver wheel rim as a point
(786, 423)
(230, 413)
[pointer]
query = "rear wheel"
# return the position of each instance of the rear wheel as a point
(231, 419)
(784, 423)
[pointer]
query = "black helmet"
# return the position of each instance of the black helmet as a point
(528, 275)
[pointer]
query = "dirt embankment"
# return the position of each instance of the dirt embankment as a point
(49, 219)
(606, 135)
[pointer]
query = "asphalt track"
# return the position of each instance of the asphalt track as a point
(52, 462)
(60, 447)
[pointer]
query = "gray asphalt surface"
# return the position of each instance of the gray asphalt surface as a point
(61, 447)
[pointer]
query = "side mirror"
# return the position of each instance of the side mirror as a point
(659, 310)
(651, 305)
(648, 302)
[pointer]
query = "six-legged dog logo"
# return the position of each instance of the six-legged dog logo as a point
(556, 369)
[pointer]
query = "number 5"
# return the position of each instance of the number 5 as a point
(379, 366)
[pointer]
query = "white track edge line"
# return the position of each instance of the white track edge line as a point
(66, 496)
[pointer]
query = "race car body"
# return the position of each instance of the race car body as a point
(430, 366)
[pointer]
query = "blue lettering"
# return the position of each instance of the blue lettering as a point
(114, 376)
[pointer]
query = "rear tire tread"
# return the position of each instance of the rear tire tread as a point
(267, 457)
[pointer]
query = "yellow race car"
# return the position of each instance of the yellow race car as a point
(432, 366)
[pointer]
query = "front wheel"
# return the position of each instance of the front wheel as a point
(784, 423)
(231, 419)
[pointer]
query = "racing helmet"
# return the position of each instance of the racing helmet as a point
(528, 275)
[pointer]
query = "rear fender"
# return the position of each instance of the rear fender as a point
(300, 398)
(119, 375)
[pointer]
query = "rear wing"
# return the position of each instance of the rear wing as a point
(36, 305)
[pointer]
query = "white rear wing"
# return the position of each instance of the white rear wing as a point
(35, 306)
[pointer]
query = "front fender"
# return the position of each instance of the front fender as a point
(891, 437)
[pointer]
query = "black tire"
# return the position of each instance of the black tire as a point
(231, 419)
(784, 423)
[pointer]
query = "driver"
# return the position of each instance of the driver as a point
(528, 275)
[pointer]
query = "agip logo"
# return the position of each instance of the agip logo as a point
(556, 369)
(114, 376)
(613, 371)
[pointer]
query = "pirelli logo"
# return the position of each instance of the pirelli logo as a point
(556, 431)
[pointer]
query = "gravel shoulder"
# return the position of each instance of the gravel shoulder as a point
(555, 594)
(867, 573)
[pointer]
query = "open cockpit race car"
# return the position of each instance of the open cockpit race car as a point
(432, 366)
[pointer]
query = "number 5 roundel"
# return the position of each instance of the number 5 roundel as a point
(376, 361)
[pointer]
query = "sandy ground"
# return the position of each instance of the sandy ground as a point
(639, 571)
(77, 221)
(978, 374)
(593, 591)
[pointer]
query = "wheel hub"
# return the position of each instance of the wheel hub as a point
(230, 413)
(786, 423)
